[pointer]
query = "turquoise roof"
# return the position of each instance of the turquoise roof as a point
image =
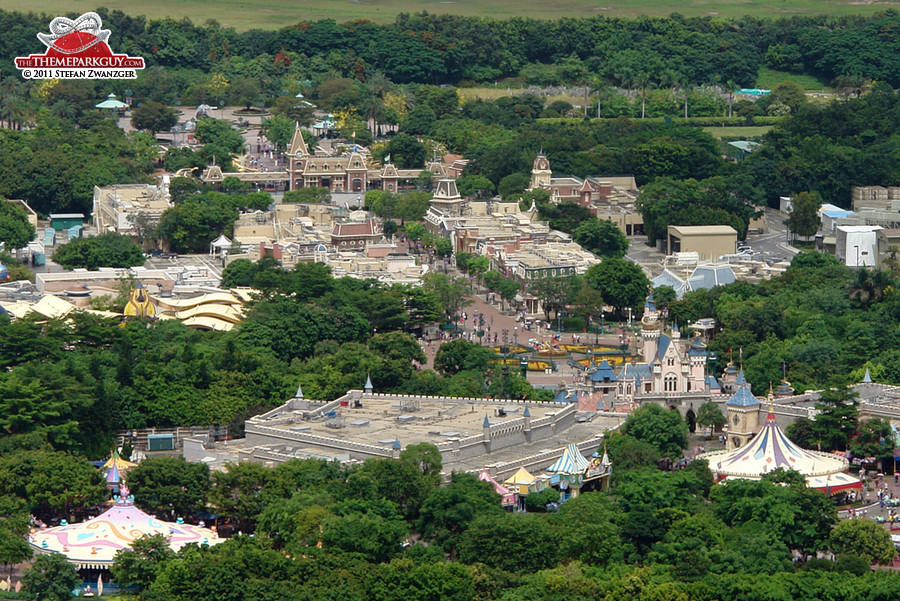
(487, 422)
(741, 380)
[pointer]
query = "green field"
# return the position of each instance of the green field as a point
(268, 14)
(749, 131)
(769, 78)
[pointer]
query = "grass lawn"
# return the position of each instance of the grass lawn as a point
(769, 78)
(492, 93)
(273, 14)
(744, 131)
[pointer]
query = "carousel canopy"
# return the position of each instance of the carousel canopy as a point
(571, 462)
(94, 543)
(111, 103)
(770, 449)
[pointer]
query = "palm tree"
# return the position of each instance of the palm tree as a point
(731, 87)
(642, 81)
(869, 286)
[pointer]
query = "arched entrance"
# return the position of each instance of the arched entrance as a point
(691, 420)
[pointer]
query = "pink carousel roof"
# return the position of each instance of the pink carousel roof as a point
(771, 449)
(94, 543)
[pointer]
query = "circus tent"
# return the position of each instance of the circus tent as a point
(771, 449)
(93, 544)
(520, 481)
(571, 462)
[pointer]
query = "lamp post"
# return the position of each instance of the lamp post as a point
(857, 256)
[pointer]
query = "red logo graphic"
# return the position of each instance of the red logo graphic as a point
(78, 50)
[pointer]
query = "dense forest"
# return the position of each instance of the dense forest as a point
(443, 49)
(388, 530)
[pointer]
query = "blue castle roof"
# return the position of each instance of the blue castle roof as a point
(743, 398)
(604, 373)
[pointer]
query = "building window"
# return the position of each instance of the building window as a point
(671, 361)
(670, 383)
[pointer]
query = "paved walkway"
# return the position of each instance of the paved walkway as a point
(496, 321)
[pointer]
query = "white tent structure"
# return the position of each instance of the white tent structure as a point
(771, 449)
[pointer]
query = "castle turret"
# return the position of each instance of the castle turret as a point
(650, 329)
(743, 414)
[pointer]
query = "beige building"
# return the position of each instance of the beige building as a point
(708, 241)
(874, 197)
(119, 208)
(32, 216)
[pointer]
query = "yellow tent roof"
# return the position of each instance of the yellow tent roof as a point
(53, 307)
(17, 310)
(187, 303)
(522, 476)
(121, 464)
(227, 313)
(206, 322)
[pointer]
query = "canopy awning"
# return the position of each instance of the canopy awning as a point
(111, 103)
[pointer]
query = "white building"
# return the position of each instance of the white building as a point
(857, 245)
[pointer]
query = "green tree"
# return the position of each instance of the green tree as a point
(219, 138)
(588, 303)
(864, 539)
(450, 292)
(628, 453)
(601, 237)
(837, 419)
(663, 428)
(106, 250)
(803, 219)
(397, 345)
(873, 438)
(443, 248)
(169, 485)
(710, 415)
(461, 355)
(50, 578)
(554, 292)
(154, 117)
(449, 510)
(419, 120)
(869, 286)
(14, 527)
(476, 186)
(238, 492)
(309, 195)
(15, 230)
(622, 283)
(406, 152)
(587, 532)
(512, 543)
(51, 483)
(139, 565)
(513, 185)
(427, 458)
(279, 129)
